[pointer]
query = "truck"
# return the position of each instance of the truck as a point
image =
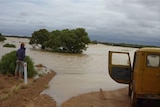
(142, 74)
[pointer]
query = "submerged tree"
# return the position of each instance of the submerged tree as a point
(68, 41)
(39, 37)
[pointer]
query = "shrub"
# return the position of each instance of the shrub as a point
(9, 45)
(8, 64)
(2, 38)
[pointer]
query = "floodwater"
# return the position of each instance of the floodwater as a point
(76, 73)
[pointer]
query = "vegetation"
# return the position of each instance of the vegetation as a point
(9, 45)
(94, 42)
(8, 64)
(67, 41)
(2, 38)
(39, 37)
(127, 45)
(17, 36)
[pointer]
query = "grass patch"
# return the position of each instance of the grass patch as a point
(46, 86)
(14, 90)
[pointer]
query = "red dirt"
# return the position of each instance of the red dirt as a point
(26, 94)
(29, 95)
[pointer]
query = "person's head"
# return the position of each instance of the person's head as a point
(22, 45)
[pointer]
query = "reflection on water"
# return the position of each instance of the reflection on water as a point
(76, 73)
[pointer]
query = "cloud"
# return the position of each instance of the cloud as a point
(101, 18)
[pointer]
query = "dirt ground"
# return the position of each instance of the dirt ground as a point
(13, 93)
(118, 98)
(115, 98)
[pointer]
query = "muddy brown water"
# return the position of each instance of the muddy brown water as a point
(76, 73)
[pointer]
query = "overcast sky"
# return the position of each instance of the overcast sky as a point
(103, 19)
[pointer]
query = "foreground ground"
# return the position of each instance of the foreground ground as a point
(115, 98)
(14, 93)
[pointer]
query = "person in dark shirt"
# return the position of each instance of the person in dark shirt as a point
(20, 54)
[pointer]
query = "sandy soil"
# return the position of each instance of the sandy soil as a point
(13, 93)
(117, 98)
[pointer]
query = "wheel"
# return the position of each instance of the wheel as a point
(139, 102)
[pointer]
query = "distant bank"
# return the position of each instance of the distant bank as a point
(115, 43)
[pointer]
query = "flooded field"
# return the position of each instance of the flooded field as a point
(76, 73)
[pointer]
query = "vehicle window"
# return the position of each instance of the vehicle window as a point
(120, 59)
(153, 60)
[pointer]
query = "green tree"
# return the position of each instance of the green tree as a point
(54, 40)
(69, 41)
(8, 64)
(2, 38)
(39, 37)
(82, 39)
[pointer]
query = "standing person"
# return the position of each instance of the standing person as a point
(20, 54)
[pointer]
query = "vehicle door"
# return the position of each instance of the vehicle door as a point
(119, 66)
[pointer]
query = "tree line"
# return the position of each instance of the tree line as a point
(67, 41)
(2, 38)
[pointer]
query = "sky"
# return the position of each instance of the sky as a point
(128, 21)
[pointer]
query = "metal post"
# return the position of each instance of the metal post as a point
(25, 73)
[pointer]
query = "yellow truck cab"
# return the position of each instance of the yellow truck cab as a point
(143, 76)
